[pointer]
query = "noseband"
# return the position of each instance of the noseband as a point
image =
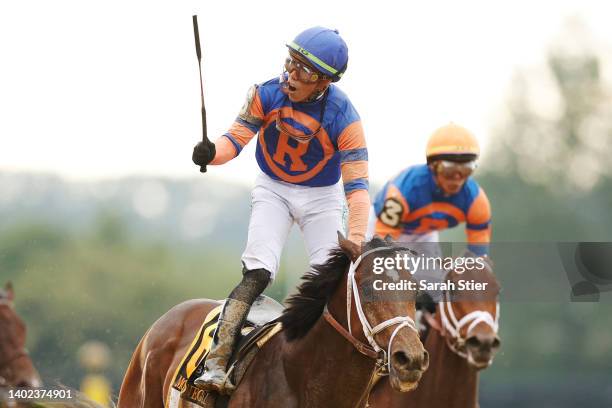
(373, 350)
(452, 325)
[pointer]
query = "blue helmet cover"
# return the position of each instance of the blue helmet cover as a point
(324, 48)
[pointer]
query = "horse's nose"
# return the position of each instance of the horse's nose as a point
(404, 361)
(483, 342)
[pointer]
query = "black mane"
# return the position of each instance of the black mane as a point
(306, 306)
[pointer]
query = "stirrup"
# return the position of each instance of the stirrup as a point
(217, 380)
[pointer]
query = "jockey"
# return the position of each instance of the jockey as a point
(427, 198)
(309, 134)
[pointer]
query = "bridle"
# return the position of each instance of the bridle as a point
(456, 342)
(373, 350)
(453, 326)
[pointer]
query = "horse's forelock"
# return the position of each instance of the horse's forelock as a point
(375, 242)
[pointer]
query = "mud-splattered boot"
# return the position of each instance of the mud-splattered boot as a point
(215, 377)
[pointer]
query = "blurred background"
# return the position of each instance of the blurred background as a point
(105, 223)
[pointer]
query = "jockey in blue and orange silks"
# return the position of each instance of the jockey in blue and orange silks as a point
(426, 198)
(309, 136)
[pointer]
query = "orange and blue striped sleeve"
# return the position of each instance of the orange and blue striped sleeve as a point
(353, 158)
(394, 213)
(478, 224)
(248, 122)
(354, 168)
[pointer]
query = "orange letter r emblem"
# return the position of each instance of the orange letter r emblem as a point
(295, 153)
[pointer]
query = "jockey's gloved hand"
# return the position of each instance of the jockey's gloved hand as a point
(203, 153)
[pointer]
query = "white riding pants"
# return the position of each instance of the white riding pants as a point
(276, 205)
(423, 244)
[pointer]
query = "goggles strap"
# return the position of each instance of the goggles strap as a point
(313, 58)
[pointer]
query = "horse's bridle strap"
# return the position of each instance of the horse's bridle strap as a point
(450, 327)
(360, 346)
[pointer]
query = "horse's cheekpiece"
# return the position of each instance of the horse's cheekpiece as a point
(261, 325)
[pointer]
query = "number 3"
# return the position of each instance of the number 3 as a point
(392, 213)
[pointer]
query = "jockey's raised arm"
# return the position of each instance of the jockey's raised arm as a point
(309, 135)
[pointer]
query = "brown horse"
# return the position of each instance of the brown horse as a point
(462, 340)
(16, 368)
(323, 357)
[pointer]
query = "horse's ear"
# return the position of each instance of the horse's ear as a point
(389, 239)
(351, 249)
(9, 291)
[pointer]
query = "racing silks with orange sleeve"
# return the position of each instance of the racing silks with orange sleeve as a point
(413, 204)
(337, 149)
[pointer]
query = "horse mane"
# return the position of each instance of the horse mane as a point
(318, 285)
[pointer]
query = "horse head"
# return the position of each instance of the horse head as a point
(16, 368)
(380, 304)
(469, 313)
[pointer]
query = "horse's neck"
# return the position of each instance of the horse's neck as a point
(329, 364)
(334, 372)
(455, 383)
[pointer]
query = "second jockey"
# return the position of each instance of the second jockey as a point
(426, 198)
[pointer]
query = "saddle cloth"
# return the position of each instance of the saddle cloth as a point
(261, 326)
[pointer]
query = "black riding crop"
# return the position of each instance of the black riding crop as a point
(196, 33)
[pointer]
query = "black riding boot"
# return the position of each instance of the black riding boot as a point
(233, 316)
